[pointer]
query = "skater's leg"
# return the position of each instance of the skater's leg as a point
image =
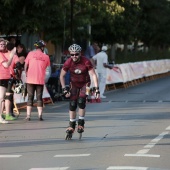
(70, 129)
(72, 111)
(81, 123)
(72, 126)
(72, 114)
(82, 105)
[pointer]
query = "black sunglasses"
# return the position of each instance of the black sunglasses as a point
(74, 54)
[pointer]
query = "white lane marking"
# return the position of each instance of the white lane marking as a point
(143, 151)
(168, 128)
(147, 147)
(150, 145)
(126, 167)
(158, 138)
(73, 155)
(57, 168)
(143, 155)
(10, 156)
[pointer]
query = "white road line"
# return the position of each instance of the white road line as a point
(147, 147)
(126, 168)
(10, 156)
(143, 151)
(143, 155)
(168, 128)
(73, 155)
(158, 138)
(57, 168)
(150, 145)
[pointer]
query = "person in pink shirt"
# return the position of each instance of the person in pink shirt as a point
(35, 68)
(5, 61)
(15, 80)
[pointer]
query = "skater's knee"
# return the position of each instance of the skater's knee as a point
(82, 103)
(73, 105)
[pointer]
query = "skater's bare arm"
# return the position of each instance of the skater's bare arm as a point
(62, 78)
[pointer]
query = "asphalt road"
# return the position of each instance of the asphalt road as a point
(129, 130)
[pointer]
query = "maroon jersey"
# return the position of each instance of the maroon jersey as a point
(78, 71)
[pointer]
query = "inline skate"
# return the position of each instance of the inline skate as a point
(70, 130)
(80, 128)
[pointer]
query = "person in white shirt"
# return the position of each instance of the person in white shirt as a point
(101, 59)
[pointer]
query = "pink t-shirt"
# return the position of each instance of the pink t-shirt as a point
(12, 66)
(4, 72)
(37, 63)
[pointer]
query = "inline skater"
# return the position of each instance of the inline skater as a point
(80, 67)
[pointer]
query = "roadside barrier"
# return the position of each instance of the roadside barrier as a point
(130, 74)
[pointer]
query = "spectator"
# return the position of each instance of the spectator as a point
(22, 54)
(15, 70)
(5, 95)
(101, 59)
(91, 50)
(35, 68)
(48, 69)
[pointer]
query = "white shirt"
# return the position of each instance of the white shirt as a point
(101, 58)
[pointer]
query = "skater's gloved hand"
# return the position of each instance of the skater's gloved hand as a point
(66, 91)
(97, 92)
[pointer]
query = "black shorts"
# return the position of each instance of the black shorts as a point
(4, 82)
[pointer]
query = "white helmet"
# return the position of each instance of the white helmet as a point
(74, 48)
(104, 48)
(18, 87)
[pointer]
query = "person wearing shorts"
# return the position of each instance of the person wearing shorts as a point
(5, 62)
(80, 67)
(35, 68)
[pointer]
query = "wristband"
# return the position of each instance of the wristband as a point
(64, 89)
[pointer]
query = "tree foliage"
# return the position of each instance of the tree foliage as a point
(112, 21)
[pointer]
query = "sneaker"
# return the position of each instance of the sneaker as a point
(9, 117)
(103, 97)
(3, 121)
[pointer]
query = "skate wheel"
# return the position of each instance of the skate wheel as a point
(80, 135)
(68, 136)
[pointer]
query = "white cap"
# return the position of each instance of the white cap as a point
(104, 48)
